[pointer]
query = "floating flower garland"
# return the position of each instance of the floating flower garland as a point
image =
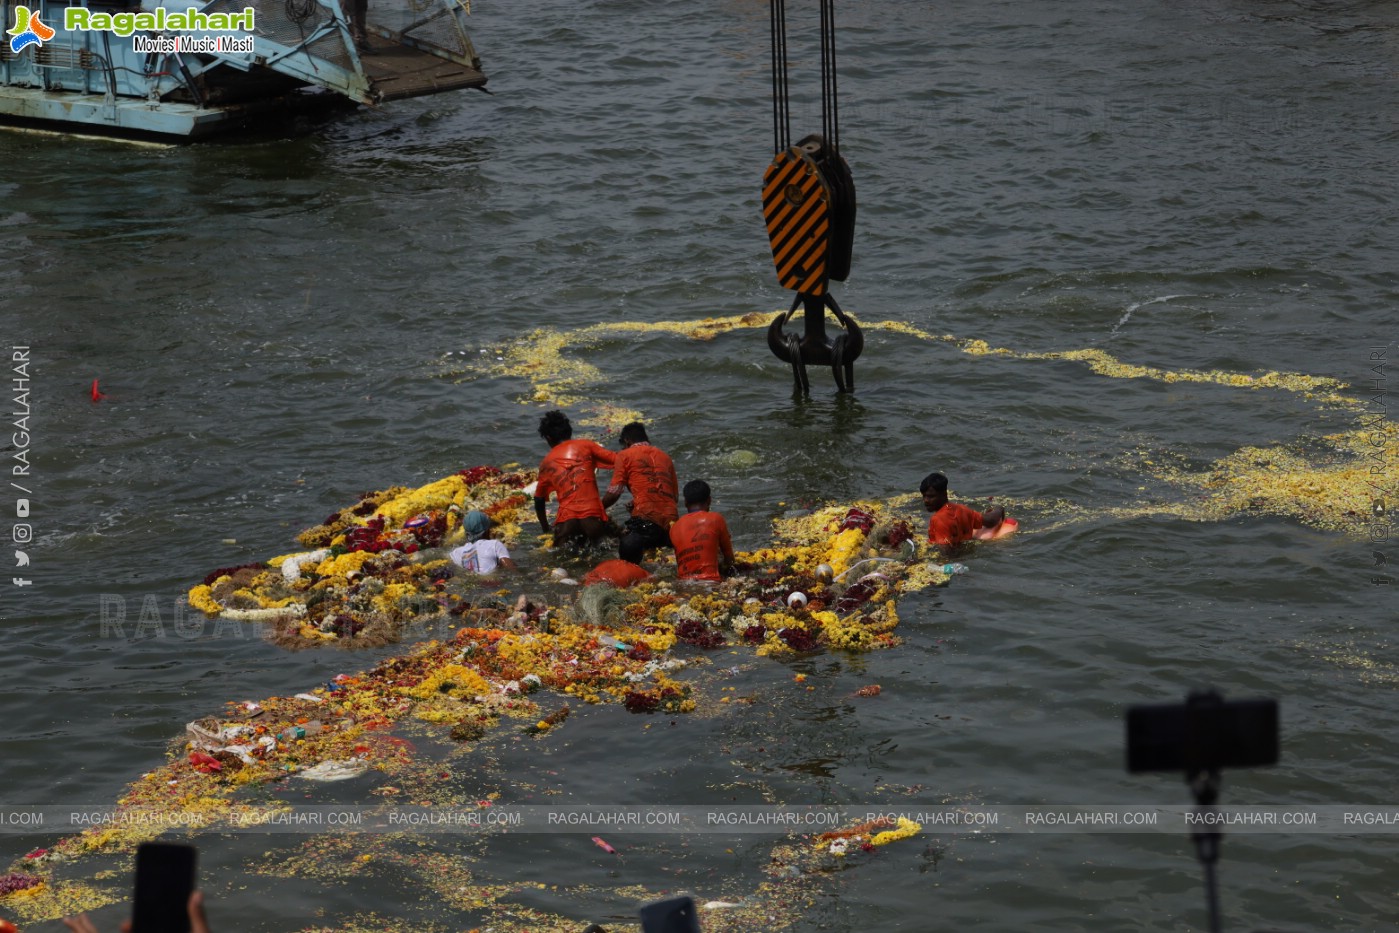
(627, 651)
(1325, 488)
(867, 836)
(376, 570)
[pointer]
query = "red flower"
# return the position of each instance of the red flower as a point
(695, 632)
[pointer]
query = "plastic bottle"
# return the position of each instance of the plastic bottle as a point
(953, 569)
(300, 732)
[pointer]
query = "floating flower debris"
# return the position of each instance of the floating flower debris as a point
(867, 836)
(375, 566)
(369, 572)
(379, 565)
(1330, 488)
(557, 379)
(17, 882)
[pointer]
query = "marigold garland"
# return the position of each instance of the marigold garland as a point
(487, 671)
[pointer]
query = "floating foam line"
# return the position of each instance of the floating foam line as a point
(1275, 480)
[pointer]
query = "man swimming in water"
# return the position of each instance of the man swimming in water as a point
(569, 471)
(481, 553)
(701, 537)
(650, 475)
(952, 523)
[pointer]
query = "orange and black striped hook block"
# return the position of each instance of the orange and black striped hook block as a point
(809, 206)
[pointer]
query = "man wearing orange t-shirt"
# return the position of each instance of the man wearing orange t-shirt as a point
(952, 523)
(569, 471)
(650, 475)
(617, 573)
(700, 537)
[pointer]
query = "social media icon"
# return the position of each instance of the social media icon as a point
(22, 508)
(21, 559)
(1377, 507)
(1380, 559)
(21, 581)
(23, 533)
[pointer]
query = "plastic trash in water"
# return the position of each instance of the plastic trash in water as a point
(205, 764)
(335, 770)
(953, 569)
(602, 844)
(868, 560)
(300, 732)
(211, 735)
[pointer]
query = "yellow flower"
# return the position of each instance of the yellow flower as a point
(436, 495)
(202, 598)
(844, 549)
(453, 680)
(345, 563)
(905, 829)
(387, 601)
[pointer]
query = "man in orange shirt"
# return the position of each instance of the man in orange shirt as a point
(569, 471)
(700, 537)
(616, 573)
(650, 475)
(952, 523)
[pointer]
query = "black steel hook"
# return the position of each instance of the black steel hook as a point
(814, 347)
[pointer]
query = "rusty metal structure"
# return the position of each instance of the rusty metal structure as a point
(164, 69)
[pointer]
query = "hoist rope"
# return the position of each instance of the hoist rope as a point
(781, 113)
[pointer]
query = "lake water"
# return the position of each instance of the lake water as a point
(282, 323)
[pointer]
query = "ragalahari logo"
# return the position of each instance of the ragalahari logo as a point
(28, 30)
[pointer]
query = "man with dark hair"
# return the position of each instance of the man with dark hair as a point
(650, 475)
(569, 471)
(700, 537)
(952, 523)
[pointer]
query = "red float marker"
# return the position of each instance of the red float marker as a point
(96, 395)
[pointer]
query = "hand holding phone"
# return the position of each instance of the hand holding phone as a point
(197, 922)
